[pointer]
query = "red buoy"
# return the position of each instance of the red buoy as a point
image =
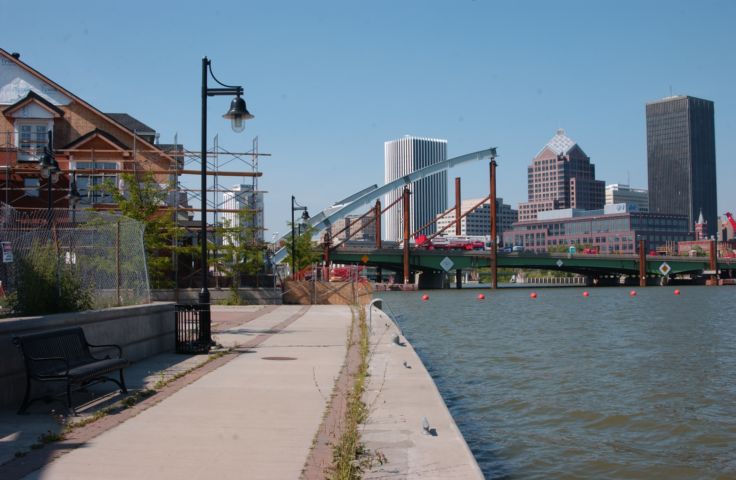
(481, 296)
(585, 294)
(533, 295)
(632, 293)
(425, 297)
(677, 292)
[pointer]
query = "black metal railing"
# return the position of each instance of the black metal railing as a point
(193, 329)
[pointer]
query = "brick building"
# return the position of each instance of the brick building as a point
(96, 145)
(561, 176)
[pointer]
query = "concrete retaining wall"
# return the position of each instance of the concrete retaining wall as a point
(142, 331)
(249, 296)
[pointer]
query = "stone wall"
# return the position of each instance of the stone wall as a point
(249, 296)
(142, 331)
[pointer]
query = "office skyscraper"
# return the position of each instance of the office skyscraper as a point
(681, 159)
(429, 195)
(561, 176)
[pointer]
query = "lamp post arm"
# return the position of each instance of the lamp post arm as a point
(213, 92)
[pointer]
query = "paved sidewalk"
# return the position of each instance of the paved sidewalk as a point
(254, 417)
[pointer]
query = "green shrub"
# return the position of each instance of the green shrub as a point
(47, 285)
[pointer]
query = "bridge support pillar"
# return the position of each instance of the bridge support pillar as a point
(432, 280)
(458, 278)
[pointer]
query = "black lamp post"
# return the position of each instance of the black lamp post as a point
(237, 113)
(305, 216)
(50, 171)
(74, 197)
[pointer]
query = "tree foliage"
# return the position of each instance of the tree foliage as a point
(47, 285)
(305, 252)
(142, 200)
(241, 253)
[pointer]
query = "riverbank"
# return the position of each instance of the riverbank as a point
(409, 426)
(252, 413)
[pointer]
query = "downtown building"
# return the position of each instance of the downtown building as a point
(243, 207)
(428, 195)
(681, 159)
(614, 229)
(478, 222)
(560, 177)
(621, 193)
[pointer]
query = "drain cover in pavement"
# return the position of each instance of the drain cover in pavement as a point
(278, 358)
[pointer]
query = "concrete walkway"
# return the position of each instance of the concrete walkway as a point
(254, 417)
(255, 414)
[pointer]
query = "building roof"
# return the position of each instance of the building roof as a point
(15, 59)
(34, 97)
(560, 144)
(131, 123)
(95, 133)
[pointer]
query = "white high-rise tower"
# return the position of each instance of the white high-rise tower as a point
(243, 197)
(429, 195)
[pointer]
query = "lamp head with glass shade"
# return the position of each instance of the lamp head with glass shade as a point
(49, 166)
(238, 114)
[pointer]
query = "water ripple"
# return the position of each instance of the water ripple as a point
(602, 387)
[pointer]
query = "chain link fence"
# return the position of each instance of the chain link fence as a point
(102, 254)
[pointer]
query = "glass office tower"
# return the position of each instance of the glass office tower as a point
(429, 195)
(681, 159)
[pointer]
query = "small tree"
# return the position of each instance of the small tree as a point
(241, 253)
(143, 201)
(305, 251)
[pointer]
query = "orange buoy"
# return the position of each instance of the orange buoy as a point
(533, 295)
(425, 297)
(481, 296)
(585, 294)
(677, 292)
(632, 293)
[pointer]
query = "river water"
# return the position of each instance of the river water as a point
(567, 386)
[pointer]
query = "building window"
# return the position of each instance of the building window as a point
(31, 186)
(90, 184)
(32, 137)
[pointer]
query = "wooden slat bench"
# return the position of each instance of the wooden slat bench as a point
(64, 355)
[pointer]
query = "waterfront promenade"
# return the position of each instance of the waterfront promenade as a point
(252, 413)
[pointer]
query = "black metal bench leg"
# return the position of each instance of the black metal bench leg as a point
(69, 406)
(123, 388)
(26, 397)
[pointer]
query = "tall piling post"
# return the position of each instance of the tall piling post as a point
(407, 229)
(492, 201)
(377, 221)
(642, 264)
(458, 230)
(714, 261)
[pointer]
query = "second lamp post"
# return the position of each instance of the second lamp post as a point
(305, 216)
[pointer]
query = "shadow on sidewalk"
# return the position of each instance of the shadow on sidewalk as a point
(45, 421)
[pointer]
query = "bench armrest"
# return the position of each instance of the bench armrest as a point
(47, 359)
(119, 349)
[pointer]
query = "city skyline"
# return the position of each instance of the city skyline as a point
(328, 83)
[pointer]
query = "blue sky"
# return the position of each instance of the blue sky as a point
(329, 82)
